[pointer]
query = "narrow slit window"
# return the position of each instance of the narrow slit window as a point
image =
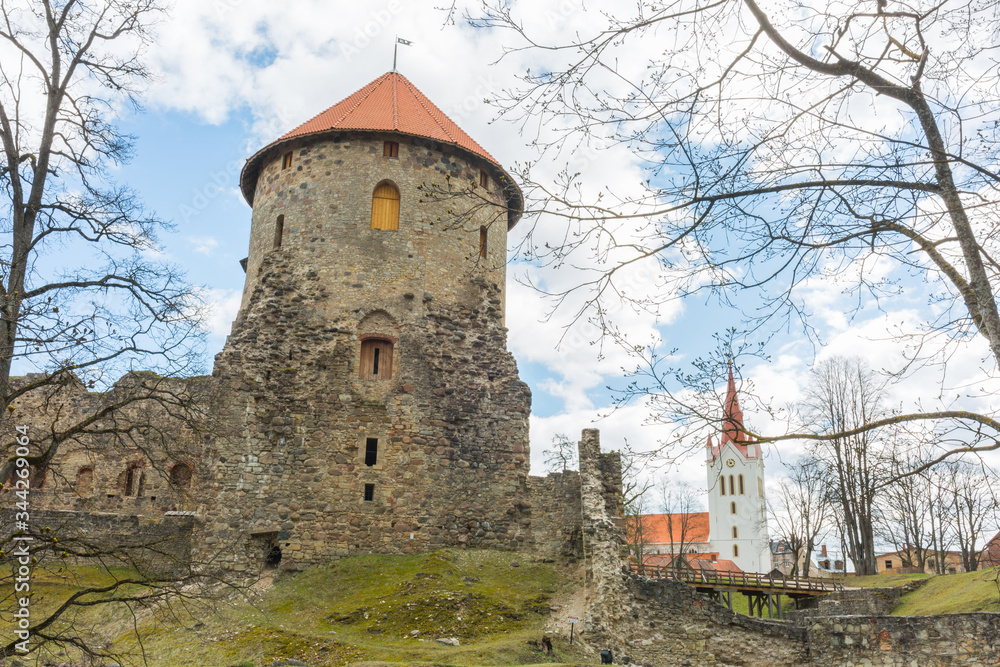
(732, 486)
(371, 451)
(483, 236)
(369, 492)
(484, 180)
(741, 485)
(385, 207)
(286, 161)
(736, 551)
(390, 149)
(732, 508)
(376, 359)
(736, 533)
(279, 231)
(722, 485)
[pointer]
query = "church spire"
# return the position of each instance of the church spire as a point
(732, 415)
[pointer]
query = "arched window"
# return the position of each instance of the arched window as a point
(385, 207)
(741, 485)
(722, 485)
(376, 359)
(85, 482)
(736, 533)
(732, 508)
(732, 486)
(736, 551)
(133, 481)
(180, 475)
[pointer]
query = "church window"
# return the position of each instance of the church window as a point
(376, 359)
(85, 482)
(722, 485)
(286, 161)
(741, 485)
(484, 180)
(732, 486)
(732, 508)
(736, 533)
(482, 241)
(180, 476)
(736, 551)
(385, 207)
(279, 231)
(369, 492)
(371, 451)
(390, 149)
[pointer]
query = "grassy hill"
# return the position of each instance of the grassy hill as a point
(365, 610)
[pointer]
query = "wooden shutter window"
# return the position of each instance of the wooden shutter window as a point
(286, 161)
(484, 180)
(385, 207)
(376, 359)
(390, 149)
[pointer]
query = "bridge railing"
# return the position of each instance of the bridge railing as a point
(742, 579)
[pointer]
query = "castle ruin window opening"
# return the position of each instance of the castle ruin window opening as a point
(84, 481)
(376, 359)
(369, 492)
(385, 207)
(390, 149)
(371, 451)
(180, 475)
(483, 236)
(286, 161)
(279, 231)
(484, 179)
(135, 481)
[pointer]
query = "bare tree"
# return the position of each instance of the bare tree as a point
(783, 147)
(800, 511)
(561, 455)
(83, 297)
(679, 502)
(635, 488)
(842, 395)
(973, 504)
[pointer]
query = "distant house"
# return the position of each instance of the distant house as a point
(700, 562)
(990, 555)
(900, 562)
(673, 533)
(823, 563)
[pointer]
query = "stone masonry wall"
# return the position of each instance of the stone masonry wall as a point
(152, 544)
(851, 602)
(555, 515)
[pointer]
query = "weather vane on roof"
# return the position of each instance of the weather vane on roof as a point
(395, 48)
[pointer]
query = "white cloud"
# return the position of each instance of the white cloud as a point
(203, 245)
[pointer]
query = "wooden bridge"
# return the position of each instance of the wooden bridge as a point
(760, 589)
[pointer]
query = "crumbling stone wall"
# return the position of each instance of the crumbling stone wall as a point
(151, 544)
(554, 504)
(850, 602)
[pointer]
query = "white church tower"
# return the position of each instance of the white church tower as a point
(736, 509)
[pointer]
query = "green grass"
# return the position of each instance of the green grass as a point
(360, 611)
(884, 580)
(953, 594)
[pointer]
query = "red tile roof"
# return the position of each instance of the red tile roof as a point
(693, 528)
(390, 103)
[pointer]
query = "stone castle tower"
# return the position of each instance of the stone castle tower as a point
(373, 403)
(736, 506)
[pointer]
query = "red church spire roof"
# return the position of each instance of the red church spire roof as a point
(732, 423)
(390, 103)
